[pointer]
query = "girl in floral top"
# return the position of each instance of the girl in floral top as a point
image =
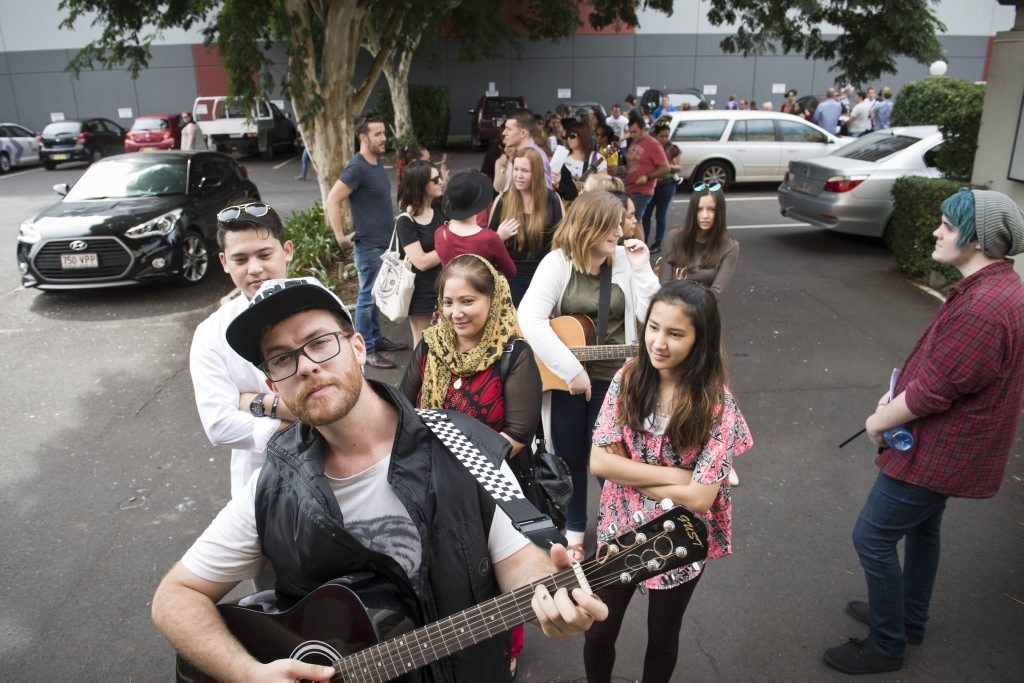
(668, 428)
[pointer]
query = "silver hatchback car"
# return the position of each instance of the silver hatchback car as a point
(849, 190)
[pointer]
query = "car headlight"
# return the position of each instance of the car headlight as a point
(161, 225)
(27, 233)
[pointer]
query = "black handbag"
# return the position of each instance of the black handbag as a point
(545, 480)
(543, 476)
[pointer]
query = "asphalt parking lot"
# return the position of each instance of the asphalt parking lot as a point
(108, 475)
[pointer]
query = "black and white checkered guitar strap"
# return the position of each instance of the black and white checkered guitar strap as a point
(533, 524)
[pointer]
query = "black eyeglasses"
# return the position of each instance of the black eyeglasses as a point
(700, 187)
(231, 213)
(319, 350)
(437, 180)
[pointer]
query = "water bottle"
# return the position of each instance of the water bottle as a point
(899, 438)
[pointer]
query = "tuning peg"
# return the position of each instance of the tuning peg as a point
(624, 578)
(638, 517)
(612, 549)
(665, 504)
(681, 552)
(669, 526)
(653, 565)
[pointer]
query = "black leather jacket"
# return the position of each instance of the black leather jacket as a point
(303, 533)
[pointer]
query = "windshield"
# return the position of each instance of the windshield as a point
(131, 178)
(150, 124)
(63, 127)
(875, 146)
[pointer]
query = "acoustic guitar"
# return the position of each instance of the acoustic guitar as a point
(579, 333)
(354, 624)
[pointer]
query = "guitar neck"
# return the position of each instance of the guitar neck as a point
(417, 648)
(604, 352)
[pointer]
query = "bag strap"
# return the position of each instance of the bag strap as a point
(393, 244)
(604, 302)
(529, 521)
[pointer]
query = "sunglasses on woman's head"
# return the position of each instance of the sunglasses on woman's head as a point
(231, 213)
(700, 187)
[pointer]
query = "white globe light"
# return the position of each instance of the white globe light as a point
(938, 68)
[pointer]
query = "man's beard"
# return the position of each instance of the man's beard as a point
(322, 411)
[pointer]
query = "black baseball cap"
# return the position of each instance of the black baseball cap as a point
(275, 301)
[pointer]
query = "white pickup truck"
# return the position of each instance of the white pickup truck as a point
(224, 124)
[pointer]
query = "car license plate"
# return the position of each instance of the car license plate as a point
(59, 157)
(804, 186)
(72, 261)
(149, 149)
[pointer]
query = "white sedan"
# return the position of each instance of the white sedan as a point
(18, 147)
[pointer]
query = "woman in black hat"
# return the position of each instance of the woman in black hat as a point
(468, 194)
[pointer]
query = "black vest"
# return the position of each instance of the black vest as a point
(302, 530)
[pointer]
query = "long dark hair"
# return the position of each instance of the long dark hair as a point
(412, 192)
(582, 131)
(700, 378)
(718, 239)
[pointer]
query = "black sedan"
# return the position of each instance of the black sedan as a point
(132, 219)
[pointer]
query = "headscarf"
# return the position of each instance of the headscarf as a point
(444, 360)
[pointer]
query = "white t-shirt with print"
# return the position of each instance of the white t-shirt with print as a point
(229, 549)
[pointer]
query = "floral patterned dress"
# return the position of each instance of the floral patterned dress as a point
(710, 463)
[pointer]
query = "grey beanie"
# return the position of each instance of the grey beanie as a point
(999, 223)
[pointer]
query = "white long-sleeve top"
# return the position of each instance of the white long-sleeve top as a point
(219, 377)
(542, 301)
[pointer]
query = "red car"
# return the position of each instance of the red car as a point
(154, 131)
(489, 117)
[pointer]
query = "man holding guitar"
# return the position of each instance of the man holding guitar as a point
(359, 486)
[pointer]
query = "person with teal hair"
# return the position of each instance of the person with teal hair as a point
(961, 395)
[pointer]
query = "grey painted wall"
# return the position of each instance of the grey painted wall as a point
(596, 68)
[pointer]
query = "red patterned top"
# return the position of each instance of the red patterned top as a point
(710, 463)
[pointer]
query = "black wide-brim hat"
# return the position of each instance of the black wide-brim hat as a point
(468, 194)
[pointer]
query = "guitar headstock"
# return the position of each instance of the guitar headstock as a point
(673, 539)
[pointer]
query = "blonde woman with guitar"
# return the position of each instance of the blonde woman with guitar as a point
(568, 281)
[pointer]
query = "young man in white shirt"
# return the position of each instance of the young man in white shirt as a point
(618, 124)
(234, 404)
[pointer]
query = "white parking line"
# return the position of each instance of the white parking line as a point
(732, 199)
(18, 172)
(770, 225)
(285, 163)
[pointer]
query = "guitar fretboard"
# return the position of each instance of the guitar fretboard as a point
(408, 652)
(604, 352)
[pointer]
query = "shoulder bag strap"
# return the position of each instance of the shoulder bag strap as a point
(524, 516)
(604, 302)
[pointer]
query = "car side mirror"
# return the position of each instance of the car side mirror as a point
(62, 189)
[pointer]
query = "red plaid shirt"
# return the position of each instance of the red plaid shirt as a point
(965, 381)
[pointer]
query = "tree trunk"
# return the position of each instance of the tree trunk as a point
(327, 100)
(396, 71)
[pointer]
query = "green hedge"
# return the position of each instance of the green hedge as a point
(316, 252)
(431, 115)
(917, 213)
(955, 107)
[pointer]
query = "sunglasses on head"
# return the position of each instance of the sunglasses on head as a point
(231, 213)
(700, 187)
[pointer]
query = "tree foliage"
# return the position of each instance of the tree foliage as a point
(867, 35)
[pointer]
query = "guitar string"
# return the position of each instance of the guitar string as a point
(515, 603)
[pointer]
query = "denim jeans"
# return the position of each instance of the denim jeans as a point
(899, 598)
(640, 202)
(367, 315)
(658, 207)
(572, 427)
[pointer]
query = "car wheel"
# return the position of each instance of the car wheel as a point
(714, 171)
(5, 162)
(49, 165)
(195, 258)
(96, 155)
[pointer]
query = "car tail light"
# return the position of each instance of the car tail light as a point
(841, 184)
(82, 137)
(39, 139)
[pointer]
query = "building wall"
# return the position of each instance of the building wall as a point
(677, 51)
